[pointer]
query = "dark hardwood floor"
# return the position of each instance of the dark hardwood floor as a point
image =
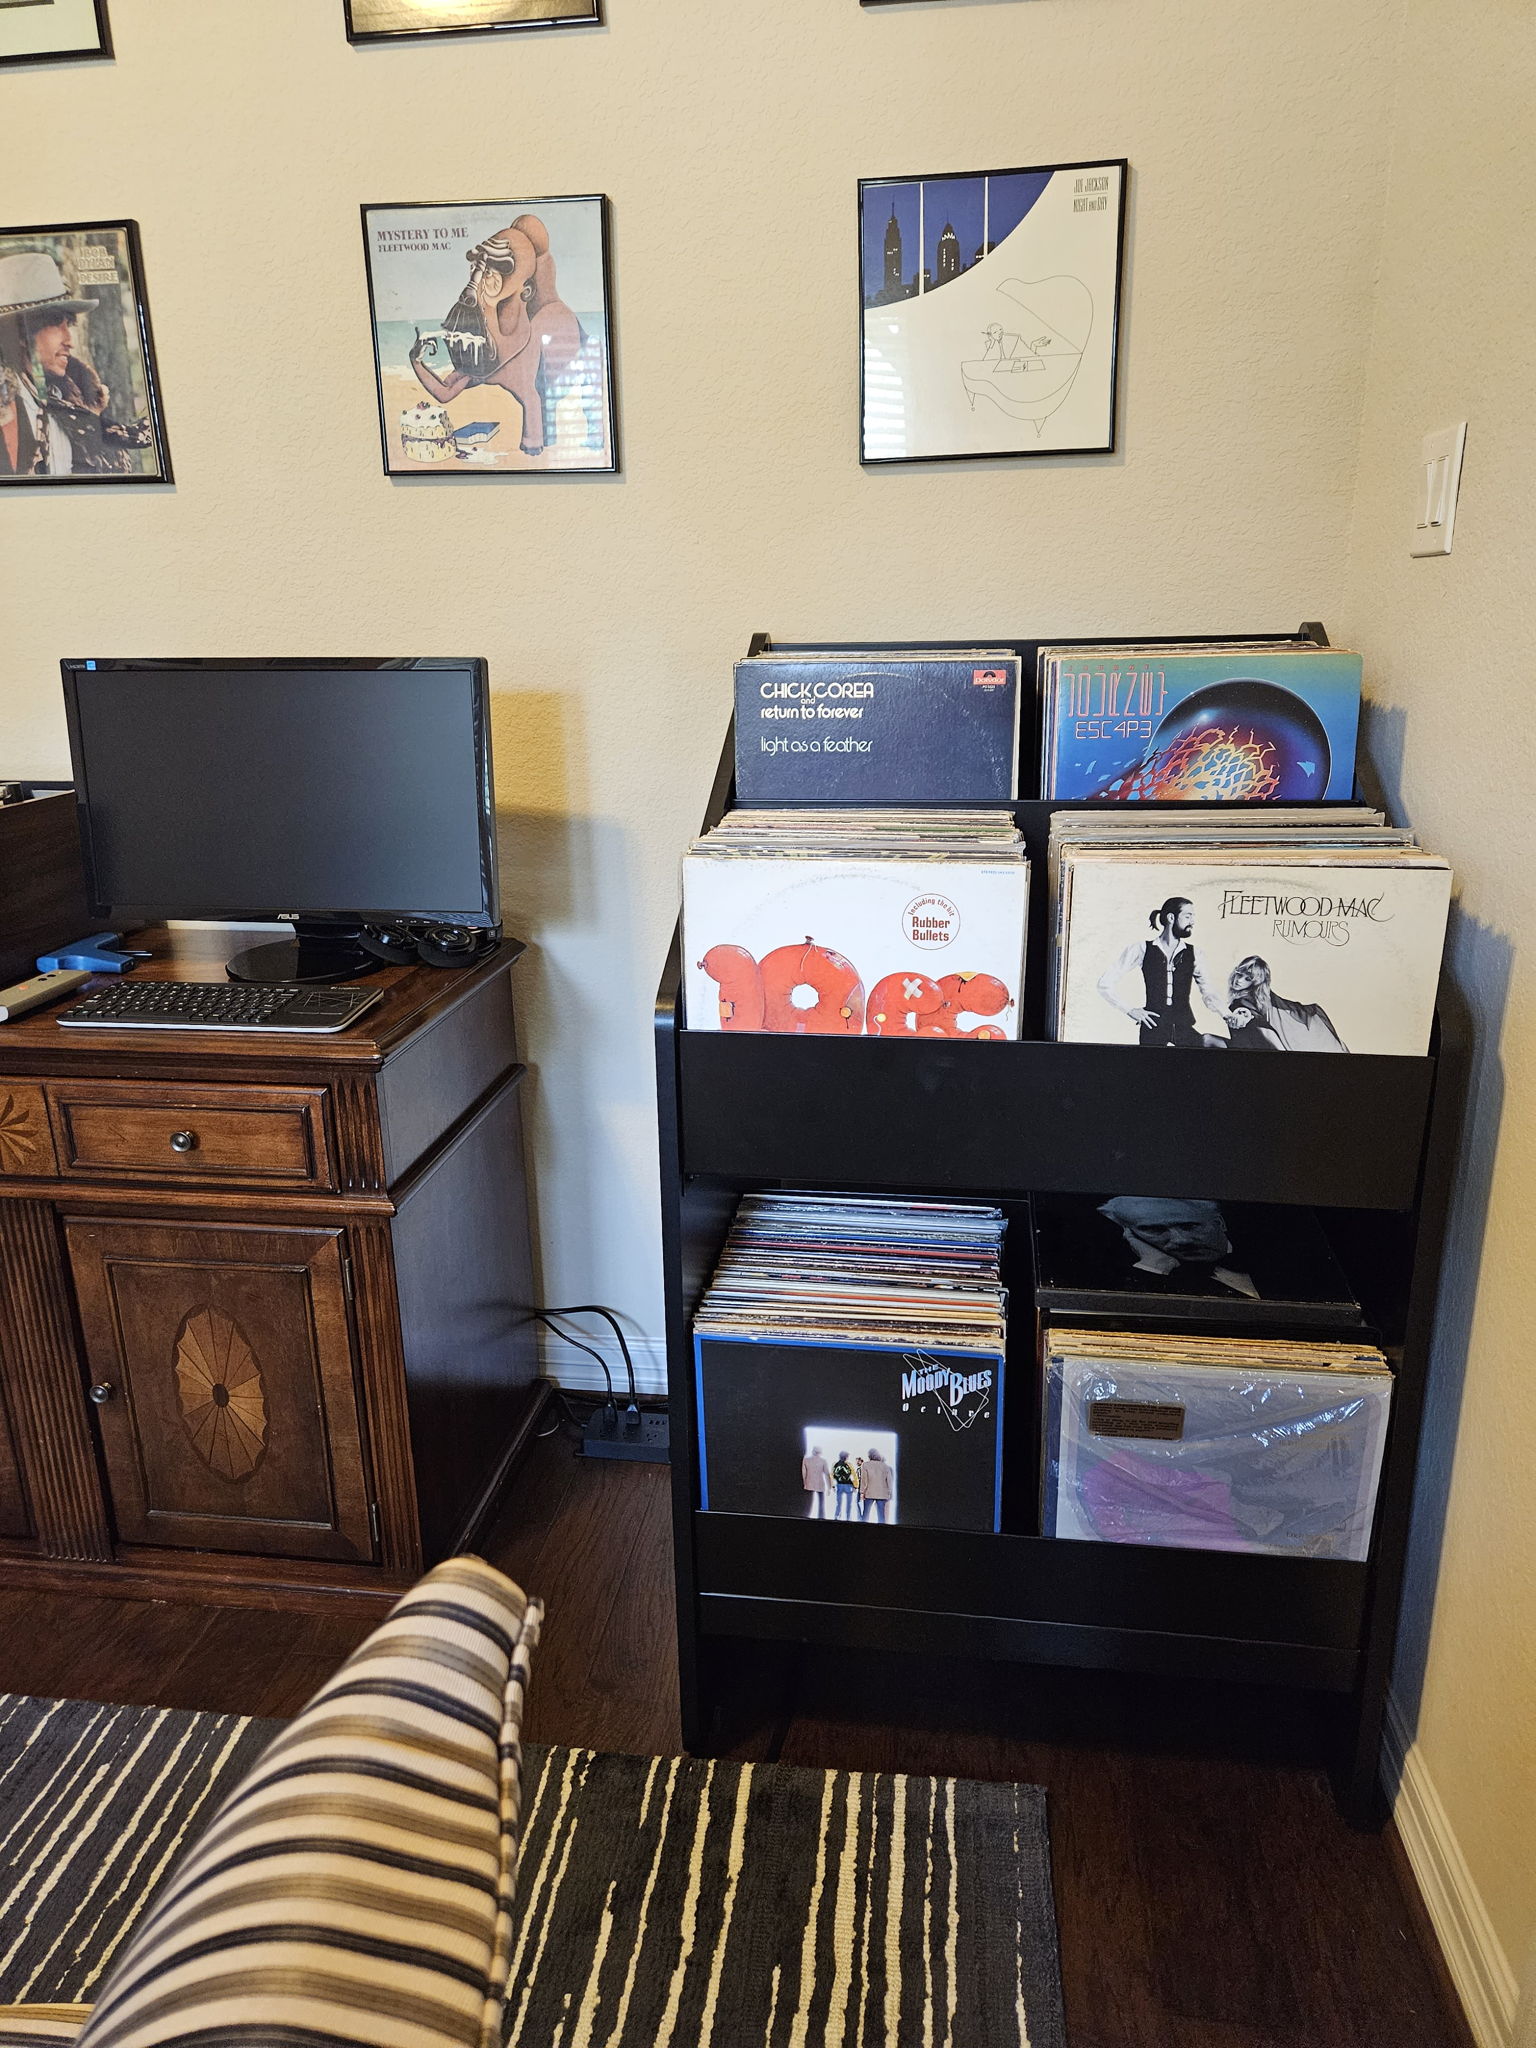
(1208, 1895)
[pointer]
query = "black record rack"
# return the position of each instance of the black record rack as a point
(1368, 1140)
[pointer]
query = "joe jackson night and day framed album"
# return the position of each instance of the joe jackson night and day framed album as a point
(990, 312)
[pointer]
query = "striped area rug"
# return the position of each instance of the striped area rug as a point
(95, 1802)
(671, 1902)
(663, 1903)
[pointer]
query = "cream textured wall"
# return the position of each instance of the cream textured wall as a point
(1449, 657)
(242, 135)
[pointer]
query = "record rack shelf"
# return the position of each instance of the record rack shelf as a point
(1368, 1140)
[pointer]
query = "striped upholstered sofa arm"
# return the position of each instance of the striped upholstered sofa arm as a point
(356, 1888)
(41, 2026)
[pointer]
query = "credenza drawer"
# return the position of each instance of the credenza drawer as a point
(104, 1129)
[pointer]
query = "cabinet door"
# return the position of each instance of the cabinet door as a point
(221, 1359)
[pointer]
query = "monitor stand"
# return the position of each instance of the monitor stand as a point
(322, 949)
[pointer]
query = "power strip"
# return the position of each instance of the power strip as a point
(643, 1437)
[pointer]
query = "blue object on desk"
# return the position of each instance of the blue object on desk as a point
(102, 953)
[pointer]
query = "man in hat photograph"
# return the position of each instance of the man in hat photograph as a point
(55, 417)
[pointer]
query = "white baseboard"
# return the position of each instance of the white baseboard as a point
(579, 1374)
(1473, 1953)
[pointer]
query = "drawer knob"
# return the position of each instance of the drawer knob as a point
(183, 1141)
(101, 1393)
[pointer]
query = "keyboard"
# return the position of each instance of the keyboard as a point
(220, 1006)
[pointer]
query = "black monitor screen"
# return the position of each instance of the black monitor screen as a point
(216, 789)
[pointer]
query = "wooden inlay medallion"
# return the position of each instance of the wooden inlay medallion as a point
(223, 1402)
(26, 1143)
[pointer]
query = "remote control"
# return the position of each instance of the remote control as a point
(42, 988)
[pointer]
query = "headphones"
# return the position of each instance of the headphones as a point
(434, 945)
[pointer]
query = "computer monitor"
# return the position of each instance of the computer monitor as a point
(342, 795)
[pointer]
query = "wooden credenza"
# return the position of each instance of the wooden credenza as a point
(263, 1300)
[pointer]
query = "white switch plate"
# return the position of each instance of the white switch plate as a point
(1439, 482)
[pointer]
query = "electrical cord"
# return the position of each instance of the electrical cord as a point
(568, 1417)
(547, 1317)
(595, 1308)
(606, 1432)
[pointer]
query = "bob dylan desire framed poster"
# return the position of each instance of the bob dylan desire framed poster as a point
(492, 335)
(32, 31)
(377, 21)
(989, 308)
(78, 402)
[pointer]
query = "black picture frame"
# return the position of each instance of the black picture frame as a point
(599, 200)
(102, 48)
(137, 329)
(1108, 446)
(591, 19)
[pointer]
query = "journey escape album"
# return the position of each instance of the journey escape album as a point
(1245, 723)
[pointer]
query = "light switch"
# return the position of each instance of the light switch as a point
(1439, 481)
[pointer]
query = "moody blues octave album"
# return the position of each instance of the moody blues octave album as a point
(879, 1434)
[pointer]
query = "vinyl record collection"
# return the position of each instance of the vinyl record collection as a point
(847, 1267)
(1204, 1374)
(849, 1353)
(857, 923)
(872, 882)
(1213, 1443)
(1261, 932)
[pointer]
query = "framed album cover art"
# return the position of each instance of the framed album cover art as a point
(78, 396)
(990, 312)
(493, 335)
(377, 21)
(34, 31)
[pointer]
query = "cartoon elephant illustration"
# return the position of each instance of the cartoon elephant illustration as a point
(508, 326)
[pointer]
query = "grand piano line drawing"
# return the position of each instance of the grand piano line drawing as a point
(989, 312)
(1030, 373)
